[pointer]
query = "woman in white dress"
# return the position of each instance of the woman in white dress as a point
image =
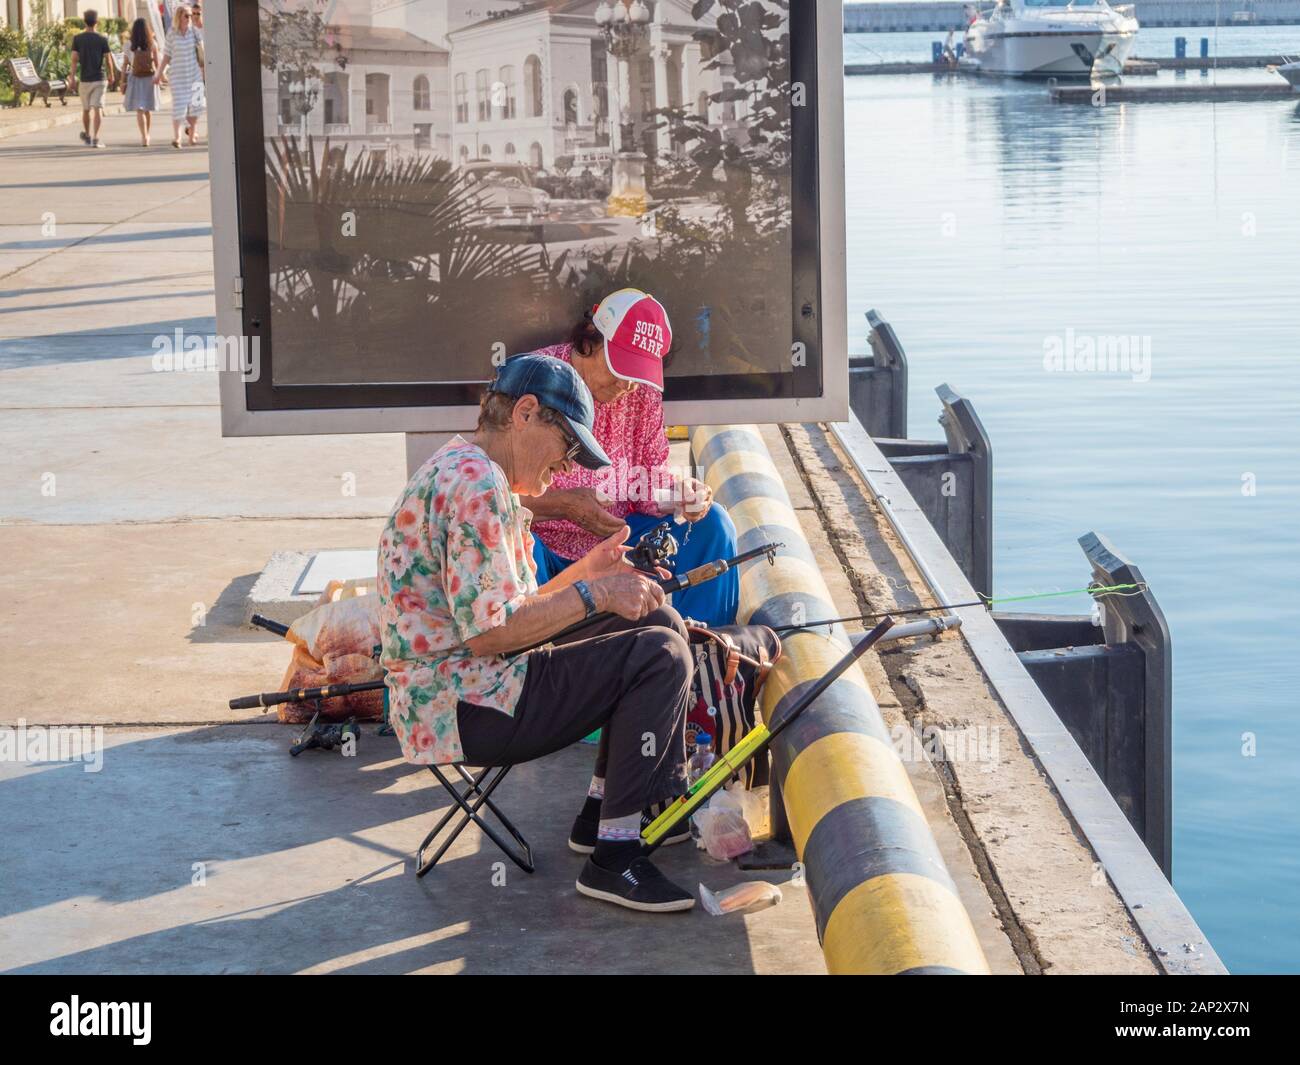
(140, 60)
(184, 54)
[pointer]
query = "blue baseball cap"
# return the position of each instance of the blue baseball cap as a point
(557, 385)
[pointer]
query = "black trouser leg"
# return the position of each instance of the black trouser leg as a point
(631, 682)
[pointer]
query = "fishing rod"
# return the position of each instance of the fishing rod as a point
(269, 625)
(689, 579)
(752, 743)
(301, 695)
(1095, 590)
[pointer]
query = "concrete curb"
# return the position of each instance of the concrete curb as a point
(1176, 941)
(57, 116)
(881, 895)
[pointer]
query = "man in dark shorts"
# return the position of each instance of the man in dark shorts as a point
(89, 53)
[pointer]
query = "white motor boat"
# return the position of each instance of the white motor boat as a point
(1291, 71)
(1050, 38)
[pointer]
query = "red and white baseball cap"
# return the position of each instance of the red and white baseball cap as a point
(637, 336)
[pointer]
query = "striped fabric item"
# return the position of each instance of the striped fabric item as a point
(731, 663)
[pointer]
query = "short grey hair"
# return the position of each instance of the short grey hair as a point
(495, 408)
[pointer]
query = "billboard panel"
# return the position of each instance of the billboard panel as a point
(424, 187)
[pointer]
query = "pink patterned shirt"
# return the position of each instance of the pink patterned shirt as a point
(455, 560)
(631, 430)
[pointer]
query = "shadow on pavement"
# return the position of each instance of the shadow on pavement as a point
(307, 865)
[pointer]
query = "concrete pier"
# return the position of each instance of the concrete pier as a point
(202, 847)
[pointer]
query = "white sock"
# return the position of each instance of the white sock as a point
(596, 789)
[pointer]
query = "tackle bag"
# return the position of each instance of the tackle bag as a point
(731, 664)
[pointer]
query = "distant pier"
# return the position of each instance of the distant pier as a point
(1098, 94)
(943, 15)
(1135, 66)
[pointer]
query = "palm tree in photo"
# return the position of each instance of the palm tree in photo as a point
(386, 256)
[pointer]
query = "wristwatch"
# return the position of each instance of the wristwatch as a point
(588, 600)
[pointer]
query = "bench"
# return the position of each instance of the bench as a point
(23, 74)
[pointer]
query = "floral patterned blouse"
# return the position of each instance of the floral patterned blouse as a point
(631, 430)
(455, 560)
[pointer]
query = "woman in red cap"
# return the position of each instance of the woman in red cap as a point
(619, 350)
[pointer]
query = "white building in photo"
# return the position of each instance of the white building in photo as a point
(382, 90)
(497, 79)
(541, 82)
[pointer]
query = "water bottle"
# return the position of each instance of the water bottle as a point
(702, 759)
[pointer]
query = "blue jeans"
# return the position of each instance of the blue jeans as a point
(712, 537)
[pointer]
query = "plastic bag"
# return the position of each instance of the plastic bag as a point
(740, 898)
(755, 808)
(723, 830)
(336, 642)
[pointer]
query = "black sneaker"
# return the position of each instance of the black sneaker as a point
(582, 837)
(639, 886)
(85, 137)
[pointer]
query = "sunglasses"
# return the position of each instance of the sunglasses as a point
(574, 444)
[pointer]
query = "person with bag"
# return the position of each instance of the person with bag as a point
(620, 349)
(184, 54)
(141, 62)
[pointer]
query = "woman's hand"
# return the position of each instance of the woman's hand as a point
(583, 508)
(631, 595)
(696, 499)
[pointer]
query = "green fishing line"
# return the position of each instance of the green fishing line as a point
(1092, 589)
(1095, 590)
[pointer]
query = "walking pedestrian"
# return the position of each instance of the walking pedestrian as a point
(141, 63)
(184, 55)
(89, 49)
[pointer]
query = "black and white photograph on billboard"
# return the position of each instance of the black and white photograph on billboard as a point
(450, 182)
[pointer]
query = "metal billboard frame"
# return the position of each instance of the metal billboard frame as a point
(820, 297)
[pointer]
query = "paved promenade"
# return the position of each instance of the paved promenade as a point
(132, 532)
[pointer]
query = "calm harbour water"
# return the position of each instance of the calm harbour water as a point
(984, 221)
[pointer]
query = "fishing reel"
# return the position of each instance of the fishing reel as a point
(654, 549)
(326, 737)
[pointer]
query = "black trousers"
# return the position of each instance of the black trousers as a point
(629, 679)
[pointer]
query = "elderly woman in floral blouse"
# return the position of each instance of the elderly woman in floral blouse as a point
(619, 353)
(459, 601)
